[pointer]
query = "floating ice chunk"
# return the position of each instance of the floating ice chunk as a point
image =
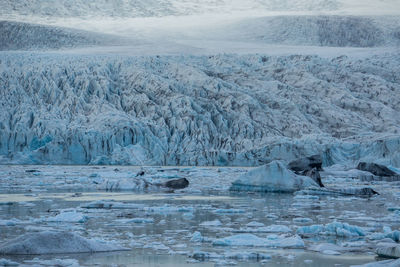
(302, 220)
(100, 204)
(229, 211)
(197, 237)
(135, 244)
(136, 220)
(272, 177)
(255, 241)
(5, 262)
(55, 243)
(255, 224)
(69, 216)
(385, 263)
(311, 197)
(55, 262)
(211, 223)
(276, 229)
(327, 248)
(388, 250)
(334, 228)
(11, 222)
(310, 230)
(167, 209)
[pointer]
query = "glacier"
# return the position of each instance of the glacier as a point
(223, 110)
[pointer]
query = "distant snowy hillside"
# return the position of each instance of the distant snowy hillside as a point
(337, 31)
(152, 8)
(17, 35)
(197, 110)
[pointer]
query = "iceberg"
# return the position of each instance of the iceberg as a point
(250, 240)
(334, 228)
(55, 243)
(272, 177)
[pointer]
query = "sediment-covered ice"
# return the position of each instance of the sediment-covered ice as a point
(55, 243)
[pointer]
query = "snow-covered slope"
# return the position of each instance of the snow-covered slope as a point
(153, 8)
(203, 110)
(26, 36)
(337, 31)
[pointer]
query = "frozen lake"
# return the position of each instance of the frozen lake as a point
(195, 225)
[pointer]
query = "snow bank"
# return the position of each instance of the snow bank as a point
(55, 243)
(272, 177)
(251, 240)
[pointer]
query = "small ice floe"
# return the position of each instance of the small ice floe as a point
(255, 241)
(228, 211)
(54, 262)
(167, 209)
(136, 220)
(197, 237)
(234, 255)
(135, 244)
(305, 197)
(255, 224)
(5, 262)
(272, 177)
(334, 228)
(100, 204)
(384, 263)
(69, 216)
(301, 220)
(211, 223)
(156, 246)
(328, 249)
(55, 243)
(388, 250)
(265, 229)
(10, 222)
(393, 235)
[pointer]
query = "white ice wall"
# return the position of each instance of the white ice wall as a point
(197, 110)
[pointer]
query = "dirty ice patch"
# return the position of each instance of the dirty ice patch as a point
(250, 240)
(55, 243)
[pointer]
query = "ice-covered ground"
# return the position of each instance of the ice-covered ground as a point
(199, 224)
